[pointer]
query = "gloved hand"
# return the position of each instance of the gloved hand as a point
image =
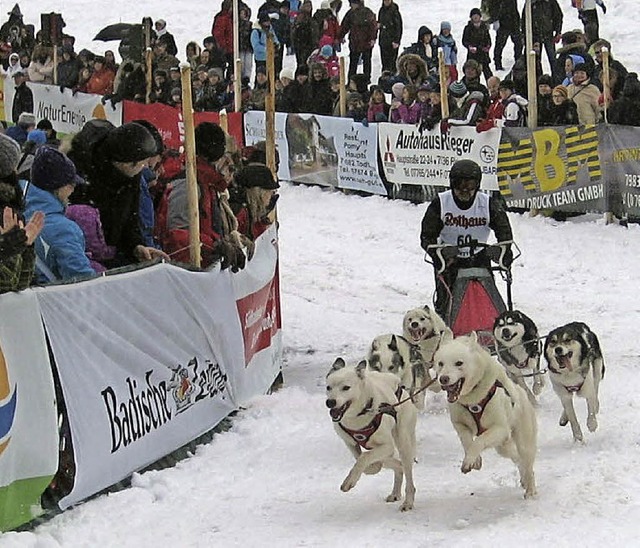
(13, 242)
(445, 126)
(365, 122)
(449, 253)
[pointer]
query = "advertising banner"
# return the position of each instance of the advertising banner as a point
(28, 415)
(144, 361)
(169, 121)
(322, 150)
(415, 158)
(555, 168)
(66, 112)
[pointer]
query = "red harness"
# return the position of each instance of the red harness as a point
(477, 409)
(362, 436)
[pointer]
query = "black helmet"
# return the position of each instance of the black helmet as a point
(464, 170)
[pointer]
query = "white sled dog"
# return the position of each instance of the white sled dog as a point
(486, 408)
(394, 354)
(423, 326)
(576, 366)
(378, 435)
(518, 349)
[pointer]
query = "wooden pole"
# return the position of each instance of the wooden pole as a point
(55, 65)
(606, 82)
(444, 92)
(148, 59)
(237, 62)
(532, 87)
(270, 107)
(190, 165)
(343, 88)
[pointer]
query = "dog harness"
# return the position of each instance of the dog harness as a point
(362, 436)
(477, 409)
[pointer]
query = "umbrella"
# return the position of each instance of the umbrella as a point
(117, 31)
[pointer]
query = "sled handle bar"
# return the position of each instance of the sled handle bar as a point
(496, 252)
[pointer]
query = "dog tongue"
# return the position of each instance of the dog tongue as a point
(565, 361)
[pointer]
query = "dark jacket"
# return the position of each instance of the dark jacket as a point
(626, 109)
(419, 48)
(546, 19)
(22, 102)
(319, 98)
(545, 110)
(361, 26)
(478, 38)
(390, 24)
(68, 72)
(565, 114)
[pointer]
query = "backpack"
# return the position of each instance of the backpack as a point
(84, 143)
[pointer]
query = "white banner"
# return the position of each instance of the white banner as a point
(144, 360)
(66, 112)
(322, 150)
(28, 416)
(411, 157)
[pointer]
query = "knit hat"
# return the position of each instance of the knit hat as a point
(475, 11)
(507, 84)
(562, 90)
(130, 143)
(287, 73)
(216, 71)
(302, 69)
(52, 170)
(154, 133)
(397, 89)
(583, 68)
(261, 69)
(457, 89)
(210, 141)
(37, 136)
(354, 96)
(256, 175)
(445, 25)
(26, 119)
(9, 155)
(264, 18)
(326, 51)
(324, 5)
(545, 80)
(44, 124)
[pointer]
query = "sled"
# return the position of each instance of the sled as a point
(474, 301)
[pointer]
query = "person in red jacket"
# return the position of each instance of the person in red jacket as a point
(222, 31)
(101, 81)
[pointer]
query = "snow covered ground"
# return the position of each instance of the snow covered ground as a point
(351, 267)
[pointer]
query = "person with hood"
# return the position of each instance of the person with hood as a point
(471, 71)
(305, 34)
(15, 20)
(112, 163)
(327, 58)
(476, 215)
(614, 66)
(625, 110)
(222, 30)
(328, 25)
(426, 48)
(390, 28)
(508, 21)
(477, 40)
(545, 100)
(570, 62)
(585, 95)
(261, 29)
(571, 45)
(563, 111)
(378, 110)
(285, 96)
(164, 36)
(69, 69)
(361, 26)
(41, 67)
(61, 244)
(245, 27)
(469, 107)
(17, 255)
(102, 78)
(14, 65)
(447, 43)
(515, 106)
(412, 69)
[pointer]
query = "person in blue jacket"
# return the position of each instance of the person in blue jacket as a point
(60, 247)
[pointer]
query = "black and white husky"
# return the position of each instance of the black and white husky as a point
(518, 349)
(576, 366)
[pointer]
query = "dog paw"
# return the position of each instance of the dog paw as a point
(348, 484)
(393, 497)
(373, 469)
(577, 437)
(530, 493)
(469, 464)
(406, 506)
(592, 423)
(564, 420)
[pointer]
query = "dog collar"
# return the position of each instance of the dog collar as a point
(510, 359)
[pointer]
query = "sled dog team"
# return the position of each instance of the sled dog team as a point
(374, 404)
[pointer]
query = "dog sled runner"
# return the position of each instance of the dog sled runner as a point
(474, 301)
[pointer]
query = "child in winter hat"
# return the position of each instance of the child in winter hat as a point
(9, 155)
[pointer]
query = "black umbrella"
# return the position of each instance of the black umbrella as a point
(117, 31)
